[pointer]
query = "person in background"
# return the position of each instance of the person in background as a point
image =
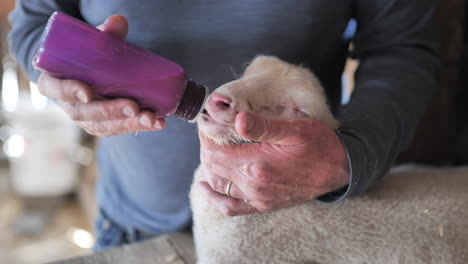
(145, 177)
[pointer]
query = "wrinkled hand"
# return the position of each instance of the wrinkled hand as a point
(292, 161)
(97, 116)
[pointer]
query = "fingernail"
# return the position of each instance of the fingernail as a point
(105, 21)
(128, 111)
(144, 121)
(157, 125)
(80, 95)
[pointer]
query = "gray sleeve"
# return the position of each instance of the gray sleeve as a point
(28, 20)
(396, 47)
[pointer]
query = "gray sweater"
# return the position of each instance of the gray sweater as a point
(214, 39)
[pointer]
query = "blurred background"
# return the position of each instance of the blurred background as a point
(47, 171)
(47, 164)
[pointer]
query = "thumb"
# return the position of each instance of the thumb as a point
(116, 25)
(278, 131)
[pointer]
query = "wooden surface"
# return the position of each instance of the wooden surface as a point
(167, 249)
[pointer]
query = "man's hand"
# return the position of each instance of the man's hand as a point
(291, 161)
(97, 116)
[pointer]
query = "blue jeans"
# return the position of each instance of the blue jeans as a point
(109, 234)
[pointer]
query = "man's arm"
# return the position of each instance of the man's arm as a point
(396, 47)
(28, 20)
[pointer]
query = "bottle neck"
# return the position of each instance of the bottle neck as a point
(192, 101)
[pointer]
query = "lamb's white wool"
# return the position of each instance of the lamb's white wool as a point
(414, 215)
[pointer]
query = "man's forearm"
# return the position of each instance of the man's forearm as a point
(380, 121)
(395, 46)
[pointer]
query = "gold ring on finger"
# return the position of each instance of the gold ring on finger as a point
(227, 190)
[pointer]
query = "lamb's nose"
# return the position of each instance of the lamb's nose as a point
(220, 101)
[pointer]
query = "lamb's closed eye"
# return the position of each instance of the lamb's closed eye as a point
(299, 112)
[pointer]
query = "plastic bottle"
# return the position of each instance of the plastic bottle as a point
(114, 68)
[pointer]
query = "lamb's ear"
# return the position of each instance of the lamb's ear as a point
(262, 63)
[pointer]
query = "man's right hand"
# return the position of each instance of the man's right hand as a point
(100, 117)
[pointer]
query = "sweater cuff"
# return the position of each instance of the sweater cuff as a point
(345, 191)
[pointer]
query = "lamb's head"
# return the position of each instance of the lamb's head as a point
(269, 87)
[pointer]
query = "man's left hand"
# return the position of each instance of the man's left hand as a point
(290, 162)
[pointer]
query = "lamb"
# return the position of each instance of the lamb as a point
(414, 215)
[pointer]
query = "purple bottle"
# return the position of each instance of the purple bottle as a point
(72, 49)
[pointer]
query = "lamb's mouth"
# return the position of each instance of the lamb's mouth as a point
(211, 119)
